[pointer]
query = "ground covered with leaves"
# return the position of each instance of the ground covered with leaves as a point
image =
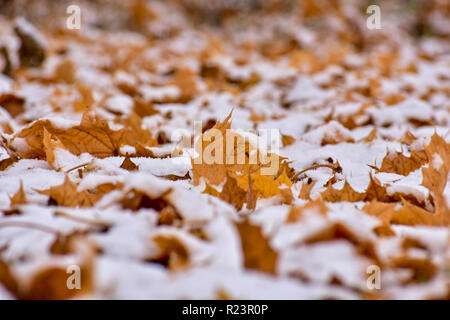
(93, 173)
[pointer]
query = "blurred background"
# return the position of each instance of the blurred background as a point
(418, 17)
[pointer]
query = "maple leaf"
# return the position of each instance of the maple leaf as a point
(286, 194)
(173, 252)
(248, 175)
(67, 194)
(347, 193)
(86, 99)
(50, 145)
(214, 174)
(129, 165)
(421, 269)
(169, 216)
(144, 109)
(296, 212)
(335, 138)
(306, 189)
(339, 231)
(233, 194)
(408, 214)
(136, 199)
(247, 189)
(374, 191)
(65, 72)
(263, 185)
(12, 103)
(19, 197)
(287, 140)
(210, 190)
(384, 212)
(5, 163)
(408, 138)
(50, 282)
(185, 80)
(373, 135)
(435, 176)
(401, 164)
(93, 135)
(7, 279)
(258, 253)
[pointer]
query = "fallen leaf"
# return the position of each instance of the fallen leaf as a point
(15, 105)
(305, 191)
(347, 193)
(173, 252)
(129, 165)
(19, 197)
(93, 135)
(67, 194)
(258, 253)
(296, 212)
(233, 193)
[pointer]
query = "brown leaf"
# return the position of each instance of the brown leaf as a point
(400, 164)
(347, 193)
(286, 195)
(214, 174)
(144, 109)
(306, 189)
(373, 135)
(258, 253)
(435, 175)
(233, 194)
(31, 51)
(19, 197)
(408, 214)
(408, 138)
(245, 172)
(51, 281)
(211, 190)
(5, 163)
(50, 145)
(93, 135)
(185, 80)
(384, 212)
(12, 103)
(287, 140)
(67, 194)
(422, 269)
(7, 278)
(296, 212)
(129, 165)
(65, 72)
(136, 199)
(412, 215)
(169, 216)
(376, 191)
(86, 100)
(173, 252)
